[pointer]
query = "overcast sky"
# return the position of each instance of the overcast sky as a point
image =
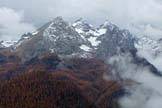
(142, 17)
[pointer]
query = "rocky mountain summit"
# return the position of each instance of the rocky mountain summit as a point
(84, 40)
(58, 36)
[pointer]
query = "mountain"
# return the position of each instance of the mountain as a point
(84, 40)
(66, 65)
(88, 32)
(154, 47)
(114, 41)
(57, 36)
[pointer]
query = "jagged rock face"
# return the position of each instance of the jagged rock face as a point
(89, 34)
(56, 36)
(60, 37)
(107, 40)
(64, 38)
(83, 25)
(79, 38)
(114, 41)
(23, 38)
(152, 46)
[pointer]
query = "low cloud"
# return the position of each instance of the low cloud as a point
(151, 50)
(147, 92)
(12, 24)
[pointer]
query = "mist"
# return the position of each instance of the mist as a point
(146, 92)
(12, 25)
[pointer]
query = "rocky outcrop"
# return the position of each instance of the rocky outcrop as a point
(56, 36)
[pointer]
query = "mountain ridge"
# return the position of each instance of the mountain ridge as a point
(79, 39)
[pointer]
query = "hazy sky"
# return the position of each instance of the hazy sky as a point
(139, 16)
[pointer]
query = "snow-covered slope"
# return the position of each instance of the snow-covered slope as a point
(82, 38)
(87, 32)
(151, 50)
(153, 47)
(109, 40)
(106, 39)
(114, 41)
(57, 36)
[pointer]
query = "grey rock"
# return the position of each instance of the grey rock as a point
(57, 36)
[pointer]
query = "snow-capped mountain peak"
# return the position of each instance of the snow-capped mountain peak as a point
(56, 27)
(57, 36)
(149, 45)
(61, 37)
(108, 25)
(88, 32)
(83, 25)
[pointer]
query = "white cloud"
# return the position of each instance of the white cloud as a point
(146, 95)
(147, 92)
(12, 25)
(124, 13)
(154, 60)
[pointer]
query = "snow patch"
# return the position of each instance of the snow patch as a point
(34, 33)
(79, 31)
(94, 41)
(101, 32)
(85, 48)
